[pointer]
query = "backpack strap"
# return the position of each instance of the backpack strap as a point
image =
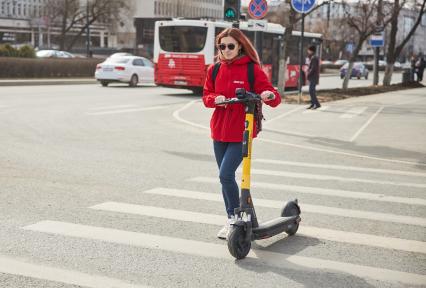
(215, 71)
(250, 73)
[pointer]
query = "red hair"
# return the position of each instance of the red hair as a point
(246, 46)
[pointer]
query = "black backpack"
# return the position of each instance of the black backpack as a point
(258, 115)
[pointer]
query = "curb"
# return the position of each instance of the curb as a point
(27, 82)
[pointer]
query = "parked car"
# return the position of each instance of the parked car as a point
(358, 70)
(120, 54)
(326, 62)
(125, 69)
(53, 54)
(340, 62)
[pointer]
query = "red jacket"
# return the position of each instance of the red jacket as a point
(227, 123)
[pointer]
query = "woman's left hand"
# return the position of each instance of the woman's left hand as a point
(267, 96)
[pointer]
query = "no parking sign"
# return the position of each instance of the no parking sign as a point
(257, 9)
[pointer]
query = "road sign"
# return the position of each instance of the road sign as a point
(303, 6)
(257, 25)
(349, 47)
(257, 9)
(377, 40)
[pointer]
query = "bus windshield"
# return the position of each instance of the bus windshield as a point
(189, 39)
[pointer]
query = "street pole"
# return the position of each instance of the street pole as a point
(88, 30)
(301, 59)
(377, 49)
(281, 70)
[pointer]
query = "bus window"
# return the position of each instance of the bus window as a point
(187, 39)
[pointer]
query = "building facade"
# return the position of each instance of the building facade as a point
(27, 22)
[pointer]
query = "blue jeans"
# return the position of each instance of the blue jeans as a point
(228, 157)
(313, 93)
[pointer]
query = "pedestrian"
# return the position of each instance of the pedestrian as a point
(235, 52)
(313, 77)
(413, 68)
(420, 67)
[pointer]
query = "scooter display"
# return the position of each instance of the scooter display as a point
(246, 228)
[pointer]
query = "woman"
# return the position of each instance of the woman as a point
(227, 122)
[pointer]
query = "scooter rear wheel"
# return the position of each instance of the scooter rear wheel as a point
(238, 245)
(291, 209)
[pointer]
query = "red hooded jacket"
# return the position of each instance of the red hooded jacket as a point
(227, 123)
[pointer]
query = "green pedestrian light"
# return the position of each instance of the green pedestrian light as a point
(230, 14)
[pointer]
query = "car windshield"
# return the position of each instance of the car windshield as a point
(183, 38)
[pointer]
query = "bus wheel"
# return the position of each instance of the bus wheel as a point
(197, 90)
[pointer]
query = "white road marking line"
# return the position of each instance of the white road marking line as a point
(355, 111)
(366, 124)
(330, 177)
(16, 267)
(339, 167)
(219, 251)
(113, 107)
(313, 232)
(326, 210)
(323, 191)
(176, 115)
(284, 115)
(127, 110)
(312, 148)
(322, 108)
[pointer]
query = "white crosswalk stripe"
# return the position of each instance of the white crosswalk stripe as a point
(326, 210)
(339, 167)
(330, 177)
(18, 267)
(219, 251)
(326, 234)
(355, 111)
(323, 191)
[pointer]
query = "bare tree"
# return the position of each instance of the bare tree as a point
(360, 19)
(394, 50)
(71, 16)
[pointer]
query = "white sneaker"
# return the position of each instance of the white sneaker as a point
(223, 233)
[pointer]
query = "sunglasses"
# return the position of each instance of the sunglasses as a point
(230, 46)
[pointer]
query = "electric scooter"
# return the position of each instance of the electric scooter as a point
(246, 227)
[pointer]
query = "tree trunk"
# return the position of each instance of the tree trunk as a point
(64, 26)
(351, 62)
(388, 74)
(390, 55)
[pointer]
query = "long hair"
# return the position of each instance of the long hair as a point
(246, 46)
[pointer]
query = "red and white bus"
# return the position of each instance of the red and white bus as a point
(184, 49)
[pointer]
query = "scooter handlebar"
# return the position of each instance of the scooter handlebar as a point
(243, 96)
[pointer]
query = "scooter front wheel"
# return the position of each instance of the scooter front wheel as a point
(238, 245)
(291, 209)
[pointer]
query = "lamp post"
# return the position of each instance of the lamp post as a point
(88, 30)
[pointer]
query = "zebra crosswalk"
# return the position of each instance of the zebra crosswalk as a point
(261, 254)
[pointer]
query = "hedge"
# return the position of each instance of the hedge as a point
(11, 67)
(25, 51)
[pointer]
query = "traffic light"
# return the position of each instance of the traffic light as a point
(231, 10)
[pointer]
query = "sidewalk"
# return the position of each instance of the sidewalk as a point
(46, 81)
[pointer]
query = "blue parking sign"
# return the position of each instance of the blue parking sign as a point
(303, 6)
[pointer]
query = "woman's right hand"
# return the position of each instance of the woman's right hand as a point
(220, 99)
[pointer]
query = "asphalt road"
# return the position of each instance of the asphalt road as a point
(118, 187)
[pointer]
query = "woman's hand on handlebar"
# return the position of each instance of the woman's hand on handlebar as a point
(220, 99)
(267, 96)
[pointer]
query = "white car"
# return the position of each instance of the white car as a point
(53, 54)
(125, 69)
